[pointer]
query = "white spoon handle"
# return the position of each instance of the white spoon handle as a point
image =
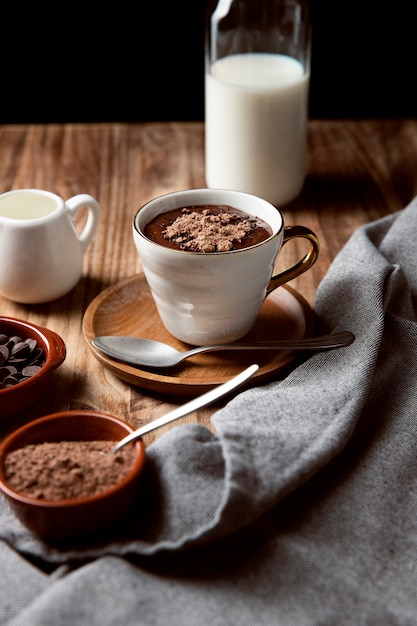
(189, 407)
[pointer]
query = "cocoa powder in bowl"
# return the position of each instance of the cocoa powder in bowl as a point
(66, 469)
(78, 516)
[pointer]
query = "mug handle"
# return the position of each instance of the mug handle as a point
(76, 203)
(290, 232)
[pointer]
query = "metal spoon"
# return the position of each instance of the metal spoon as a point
(189, 407)
(148, 353)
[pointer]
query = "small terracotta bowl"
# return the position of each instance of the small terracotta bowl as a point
(16, 399)
(71, 519)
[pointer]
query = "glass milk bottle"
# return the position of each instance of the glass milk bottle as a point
(256, 96)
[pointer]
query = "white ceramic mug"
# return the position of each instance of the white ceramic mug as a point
(205, 298)
(41, 252)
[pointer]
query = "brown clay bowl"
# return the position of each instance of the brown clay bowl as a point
(16, 399)
(71, 519)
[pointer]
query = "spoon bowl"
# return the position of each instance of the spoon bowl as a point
(155, 354)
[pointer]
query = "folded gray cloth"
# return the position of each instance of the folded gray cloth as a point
(301, 510)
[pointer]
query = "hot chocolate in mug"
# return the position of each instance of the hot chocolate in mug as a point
(41, 252)
(215, 296)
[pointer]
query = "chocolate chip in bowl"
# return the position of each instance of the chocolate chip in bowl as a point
(29, 354)
(61, 481)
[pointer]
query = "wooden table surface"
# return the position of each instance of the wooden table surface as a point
(358, 171)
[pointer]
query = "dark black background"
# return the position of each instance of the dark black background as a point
(145, 61)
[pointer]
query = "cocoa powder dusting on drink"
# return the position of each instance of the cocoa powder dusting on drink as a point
(207, 228)
(66, 469)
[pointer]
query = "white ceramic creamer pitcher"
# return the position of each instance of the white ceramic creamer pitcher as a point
(41, 252)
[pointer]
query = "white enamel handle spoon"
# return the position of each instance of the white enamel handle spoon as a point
(189, 407)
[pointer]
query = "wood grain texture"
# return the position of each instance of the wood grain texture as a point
(358, 171)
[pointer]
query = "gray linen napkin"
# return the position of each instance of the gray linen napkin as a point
(302, 509)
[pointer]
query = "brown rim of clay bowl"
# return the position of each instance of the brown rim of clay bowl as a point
(78, 518)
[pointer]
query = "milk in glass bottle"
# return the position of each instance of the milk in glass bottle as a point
(256, 96)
